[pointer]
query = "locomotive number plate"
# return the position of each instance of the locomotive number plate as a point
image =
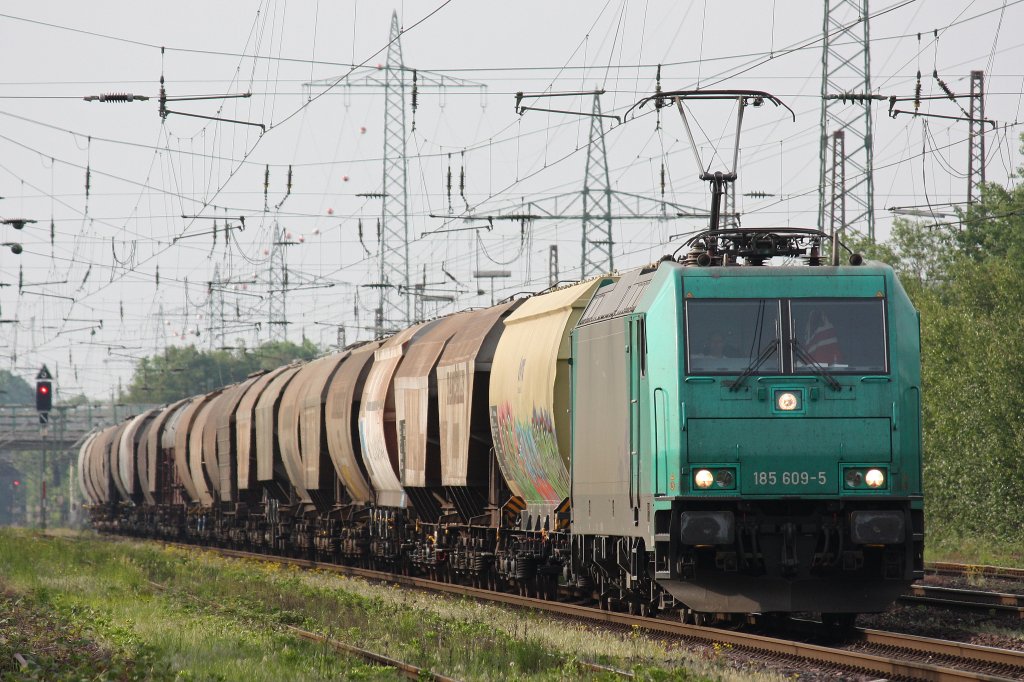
(790, 478)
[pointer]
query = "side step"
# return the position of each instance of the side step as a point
(662, 568)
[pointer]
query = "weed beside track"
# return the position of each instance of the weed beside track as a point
(217, 619)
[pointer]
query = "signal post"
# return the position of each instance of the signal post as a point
(44, 401)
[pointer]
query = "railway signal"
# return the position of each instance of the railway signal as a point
(44, 401)
(44, 394)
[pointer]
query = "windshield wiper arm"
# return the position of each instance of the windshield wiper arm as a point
(768, 351)
(804, 356)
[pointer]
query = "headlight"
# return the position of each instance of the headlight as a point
(874, 478)
(725, 478)
(703, 479)
(865, 478)
(787, 401)
(714, 478)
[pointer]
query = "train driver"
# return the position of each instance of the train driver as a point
(717, 347)
(820, 339)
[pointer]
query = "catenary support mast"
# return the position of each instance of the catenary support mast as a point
(846, 67)
(976, 142)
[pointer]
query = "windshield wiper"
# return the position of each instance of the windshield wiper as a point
(805, 357)
(768, 351)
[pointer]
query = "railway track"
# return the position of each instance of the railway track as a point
(973, 600)
(974, 570)
(870, 651)
(410, 671)
(406, 670)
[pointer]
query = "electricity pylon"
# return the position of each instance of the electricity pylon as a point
(597, 254)
(837, 205)
(394, 310)
(846, 67)
(976, 138)
(215, 336)
(278, 278)
(593, 206)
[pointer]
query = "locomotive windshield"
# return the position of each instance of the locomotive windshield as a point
(728, 336)
(838, 335)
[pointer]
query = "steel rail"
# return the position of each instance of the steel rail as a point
(957, 598)
(943, 647)
(974, 570)
(1011, 662)
(1004, 658)
(406, 670)
(412, 672)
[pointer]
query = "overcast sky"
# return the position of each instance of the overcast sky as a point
(91, 303)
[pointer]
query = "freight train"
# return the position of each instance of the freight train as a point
(720, 432)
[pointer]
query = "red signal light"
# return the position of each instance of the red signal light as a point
(44, 395)
(16, 483)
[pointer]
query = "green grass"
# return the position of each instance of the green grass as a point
(978, 551)
(35, 645)
(209, 618)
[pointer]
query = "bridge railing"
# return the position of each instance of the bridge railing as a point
(20, 428)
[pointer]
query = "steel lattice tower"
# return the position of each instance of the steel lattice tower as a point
(278, 279)
(837, 202)
(216, 313)
(846, 67)
(592, 206)
(976, 138)
(161, 331)
(394, 234)
(395, 307)
(597, 256)
(729, 216)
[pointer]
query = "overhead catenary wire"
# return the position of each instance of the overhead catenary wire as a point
(203, 157)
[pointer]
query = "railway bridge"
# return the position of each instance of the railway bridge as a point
(20, 429)
(21, 494)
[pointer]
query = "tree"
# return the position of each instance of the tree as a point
(919, 252)
(276, 353)
(880, 251)
(77, 400)
(14, 390)
(967, 280)
(973, 396)
(994, 226)
(185, 371)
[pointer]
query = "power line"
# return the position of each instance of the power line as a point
(478, 69)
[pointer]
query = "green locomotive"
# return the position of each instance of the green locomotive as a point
(769, 459)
